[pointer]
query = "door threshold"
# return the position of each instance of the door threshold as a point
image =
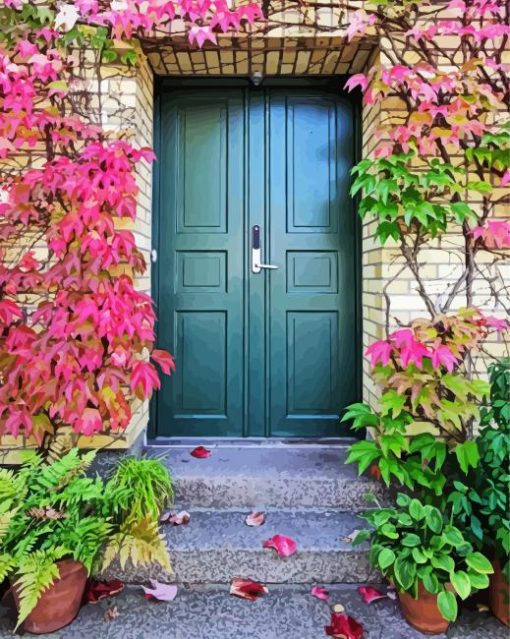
(251, 442)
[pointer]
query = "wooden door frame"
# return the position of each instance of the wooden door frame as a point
(165, 85)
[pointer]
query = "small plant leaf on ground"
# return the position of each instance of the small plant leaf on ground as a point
(284, 546)
(95, 590)
(200, 452)
(247, 589)
(255, 519)
(320, 592)
(176, 519)
(159, 591)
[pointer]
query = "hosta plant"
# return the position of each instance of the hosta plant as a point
(52, 511)
(417, 543)
(481, 501)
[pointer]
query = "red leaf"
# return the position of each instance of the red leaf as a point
(320, 592)
(247, 589)
(370, 594)
(342, 625)
(97, 590)
(176, 519)
(255, 519)
(284, 546)
(160, 592)
(200, 452)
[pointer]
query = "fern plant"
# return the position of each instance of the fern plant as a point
(50, 511)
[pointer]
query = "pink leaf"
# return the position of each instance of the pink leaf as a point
(284, 546)
(369, 594)
(159, 591)
(357, 80)
(200, 452)
(164, 359)
(247, 589)
(176, 519)
(320, 592)
(341, 625)
(255, 519)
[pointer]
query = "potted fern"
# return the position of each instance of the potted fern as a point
(58, 526)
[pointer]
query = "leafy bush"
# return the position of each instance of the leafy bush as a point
(416, 543)
(49, 511)
(481, 501)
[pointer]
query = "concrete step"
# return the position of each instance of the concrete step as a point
(209, 612)
(276, 476)
(217, 546)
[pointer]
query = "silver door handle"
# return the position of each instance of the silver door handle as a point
(256, 266)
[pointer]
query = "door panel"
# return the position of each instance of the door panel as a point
(201, 290)
(274, 353)
(312, 302)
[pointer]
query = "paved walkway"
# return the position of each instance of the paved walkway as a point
(287, 612)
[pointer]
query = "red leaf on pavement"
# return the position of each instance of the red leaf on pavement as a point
(175, 519)
(370, 594)
(284, 546)
(200, 452)
(160, 592)
(255, 519)
(247, 589)
(342, 625)
(97, 590)
(320, 592)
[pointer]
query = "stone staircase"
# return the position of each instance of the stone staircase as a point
(307, 492)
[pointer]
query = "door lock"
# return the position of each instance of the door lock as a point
(256, 265)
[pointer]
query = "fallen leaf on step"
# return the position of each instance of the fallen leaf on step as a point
(111, 613)
(175, 519)
(97, 590)
(348, 539)
(369, 594)
(320, 592)
(284, 546)
(255, 519)
(160, 592)
(391, 593)
(200, 452)
(482, 607)
(247, 589)
(342, 625)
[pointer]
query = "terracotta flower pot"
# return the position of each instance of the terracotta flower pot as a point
(60, 603)
(423, 613)
(499, 595)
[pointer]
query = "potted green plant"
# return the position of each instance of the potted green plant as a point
(481, 500)
(58, 525)
(427, 559)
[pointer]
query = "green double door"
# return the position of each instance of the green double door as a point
(260, 352)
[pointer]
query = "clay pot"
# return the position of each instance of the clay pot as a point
(423, 613)
(60, 603)
(499, 595)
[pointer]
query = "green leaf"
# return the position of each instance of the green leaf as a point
(416, 510)
(410, 540)
(434, 519)
(479, 563)
(467, 455)
(447, 604)
(460, 581)
(386, 558)
(404, 572)
(431, 583)
(453, 535)
(478, 581)
(443, 562)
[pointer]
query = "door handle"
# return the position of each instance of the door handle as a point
(256, 266)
